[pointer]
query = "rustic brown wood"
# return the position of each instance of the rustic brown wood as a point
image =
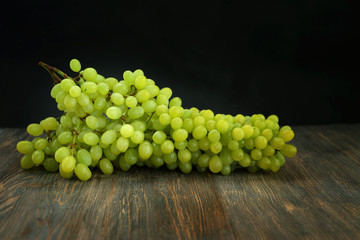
(316, 195)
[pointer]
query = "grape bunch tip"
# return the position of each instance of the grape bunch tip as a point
(109, 124)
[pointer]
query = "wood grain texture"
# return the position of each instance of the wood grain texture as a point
(316, 195)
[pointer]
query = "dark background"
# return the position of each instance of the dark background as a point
(296, 59)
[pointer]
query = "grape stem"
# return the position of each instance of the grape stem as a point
(53, 72)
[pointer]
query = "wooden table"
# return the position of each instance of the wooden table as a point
(316, 195)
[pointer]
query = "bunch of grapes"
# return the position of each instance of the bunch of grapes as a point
(109, 123)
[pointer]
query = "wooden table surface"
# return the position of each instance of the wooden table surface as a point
(316, 195)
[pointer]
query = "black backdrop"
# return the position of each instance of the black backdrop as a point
(296, 59)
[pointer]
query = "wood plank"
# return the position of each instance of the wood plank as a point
(316, 195)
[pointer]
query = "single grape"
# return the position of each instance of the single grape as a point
(75, 65)
(35, 129)
(106, 166)
(82, 172)
(89, 74)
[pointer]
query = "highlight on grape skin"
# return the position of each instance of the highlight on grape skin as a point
(109, 123)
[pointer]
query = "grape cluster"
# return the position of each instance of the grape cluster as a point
(109, 123)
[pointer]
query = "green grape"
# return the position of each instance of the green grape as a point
(176, 101)
(66, 121)
(50, 164)
(153, 90)
(264, 163)
(124, 166)
(203, 160)
(274, 118)
(138, 137)
(66, 175)
(109, 137)
(92, 122)
(82, 172)
(199, 121)
(35, 129)
(199, 132)
(216, 147)
(188, 125)
(164, 118)
(41, 144)
(167, 92)
(26, 162)
(140, 82)
(167, 146)
(268, 151)
(233, 145)
(83, 99)
(149, 106)
(136, 112)
(84, 157)
(96, 154)
(249, 143)
(260, 142)
(103, 88)
(289, 150)
(248, 131)
(245, 161)
(238, 134)
(204, 144)
(176, 111)
(91, 139)
(65, 137)
(113, 113)
(193, 145)
(237, 155)
(131, 156)
(162, 100)
(139, 125)
(129, 77)
(121, 87)
(170, 158)
(222, 126)
(157, 161)
(25, 147)
(106, 166)
(68, 164)
(180, 135)
(225, 156)
(277, 143)
(75, 65)
(69, 101)
(89, 87)
(157, 150)
(127, 130)
(256, 154)
(287, 135)
(160, 109)
(176, 123)
(75, 91)
(185, 167)
(267, 133)
(108, 153)
(55, 90)
(159, 137)
(66, 84)
(131, 101)
(54, 145)
(180, 145)
(184, 155)
(89, 74)
(215, 164)
(172, 166)
(226, 170)
(145, 150)
(142, 95)
(214, 135)
(38, 157)
(117, 98)
(195, 156)
(275, 164)
(122, 144)
(100, 103)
